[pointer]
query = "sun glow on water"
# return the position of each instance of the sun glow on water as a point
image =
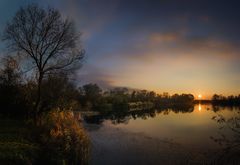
(199, 107)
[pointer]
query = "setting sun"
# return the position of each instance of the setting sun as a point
(199, 96)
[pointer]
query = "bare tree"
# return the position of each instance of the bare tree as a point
(46, 40)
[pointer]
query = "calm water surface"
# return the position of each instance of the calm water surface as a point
(158, 137)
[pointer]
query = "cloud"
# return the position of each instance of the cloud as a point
(163, 38)
(92, 74)
(165, 44)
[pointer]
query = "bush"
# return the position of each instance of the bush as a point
(64, 139)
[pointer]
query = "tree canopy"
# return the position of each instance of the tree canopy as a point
(46, 41)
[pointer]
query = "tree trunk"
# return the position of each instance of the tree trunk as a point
(37, 108)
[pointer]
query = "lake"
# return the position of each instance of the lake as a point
(166, 136)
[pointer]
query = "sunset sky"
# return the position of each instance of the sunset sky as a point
(175, 46)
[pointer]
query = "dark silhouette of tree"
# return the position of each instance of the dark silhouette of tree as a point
(91, 94)
(11, 98)
(92, 91)
(46, 41)
(225, 100)
(59, 92)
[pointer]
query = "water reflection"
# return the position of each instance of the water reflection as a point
(124, 116)
(228, 135)
(189, 127)
(199, 107)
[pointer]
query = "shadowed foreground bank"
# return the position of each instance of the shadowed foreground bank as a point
(60, 139)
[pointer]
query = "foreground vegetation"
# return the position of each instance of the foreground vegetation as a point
(16, 147)
(58, 140)
(37, 123)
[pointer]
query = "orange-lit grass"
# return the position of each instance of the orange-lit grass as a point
(65, 137)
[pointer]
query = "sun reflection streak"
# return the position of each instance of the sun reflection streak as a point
(199, 107)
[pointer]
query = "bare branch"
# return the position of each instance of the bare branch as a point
(47, 41)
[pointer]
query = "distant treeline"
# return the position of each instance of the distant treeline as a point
(17, 95)
(91, 95)
(226, 100)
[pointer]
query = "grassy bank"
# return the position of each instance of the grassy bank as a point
(15, 145)
(60, 139)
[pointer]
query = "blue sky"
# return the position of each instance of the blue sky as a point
(165, 45)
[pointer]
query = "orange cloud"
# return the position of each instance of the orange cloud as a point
(163, 37)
